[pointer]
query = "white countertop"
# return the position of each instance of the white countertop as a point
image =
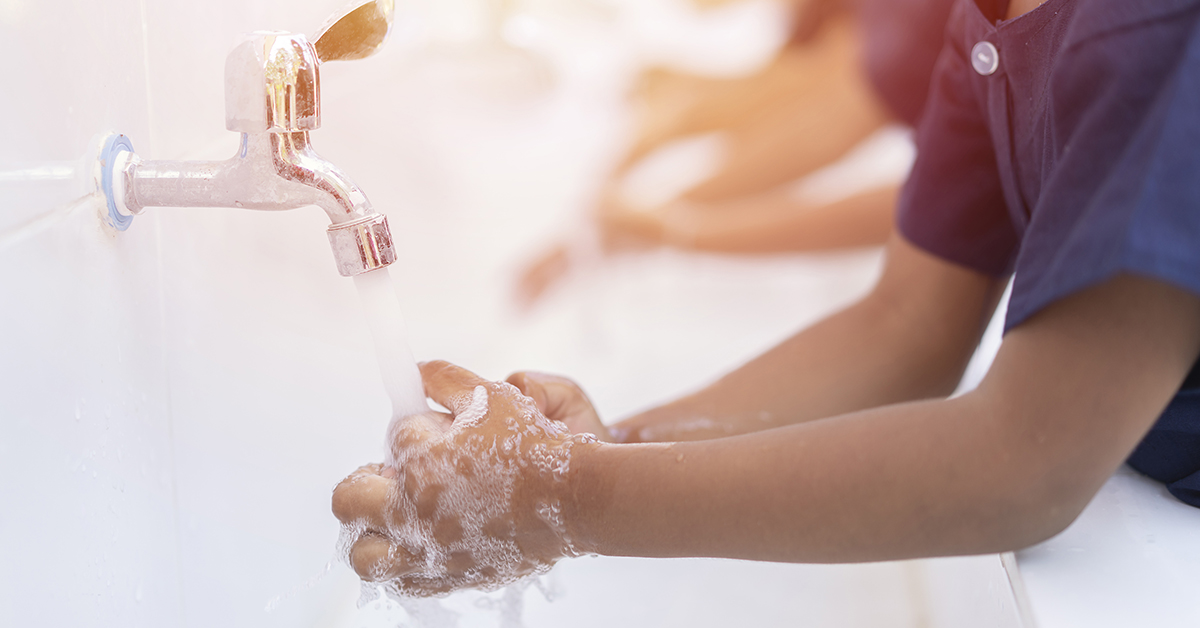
(1131, 559)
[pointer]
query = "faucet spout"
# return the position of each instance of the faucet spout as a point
(320, 182)
(271, 172)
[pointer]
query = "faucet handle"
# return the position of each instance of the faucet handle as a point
(356, 33)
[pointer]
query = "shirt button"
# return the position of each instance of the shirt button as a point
(985, 58)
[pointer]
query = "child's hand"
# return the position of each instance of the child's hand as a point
(468, 499)
(561, 399)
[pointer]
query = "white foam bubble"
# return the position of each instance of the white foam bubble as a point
(681, 430)
(475, 411)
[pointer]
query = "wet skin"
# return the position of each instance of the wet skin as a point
(863, 459)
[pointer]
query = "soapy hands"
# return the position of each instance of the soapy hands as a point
(473, 498)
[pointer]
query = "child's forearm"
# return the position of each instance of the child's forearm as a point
(848, 362)
(1071, 393)
(905, 481)
(779, 222)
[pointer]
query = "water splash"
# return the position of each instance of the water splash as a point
(422, 612)
(274, 602)
(508, 604)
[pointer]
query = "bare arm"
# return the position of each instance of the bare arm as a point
(777, 221)
(760, 223)
(1069, 396)
(910, 338)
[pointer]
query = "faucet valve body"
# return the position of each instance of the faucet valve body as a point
(273, 84)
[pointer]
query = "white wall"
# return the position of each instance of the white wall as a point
(87, 528)
(149, 379)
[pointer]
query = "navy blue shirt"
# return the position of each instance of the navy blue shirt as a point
(1067, 152)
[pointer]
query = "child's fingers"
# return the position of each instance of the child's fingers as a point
(530, 384)
(557, 397)
(363, 497)
(374, 558)
(450, 385)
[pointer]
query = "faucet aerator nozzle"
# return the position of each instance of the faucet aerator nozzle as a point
(362, 245)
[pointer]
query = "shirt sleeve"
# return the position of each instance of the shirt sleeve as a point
(953, 205)
(1122, 192)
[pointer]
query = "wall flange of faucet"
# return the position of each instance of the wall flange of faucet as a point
(115, 154)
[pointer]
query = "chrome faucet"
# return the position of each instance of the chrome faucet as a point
(273, 98)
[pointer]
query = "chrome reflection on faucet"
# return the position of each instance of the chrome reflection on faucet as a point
(273, 98)
(273, 84)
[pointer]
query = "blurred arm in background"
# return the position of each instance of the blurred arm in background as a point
(846, 72)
